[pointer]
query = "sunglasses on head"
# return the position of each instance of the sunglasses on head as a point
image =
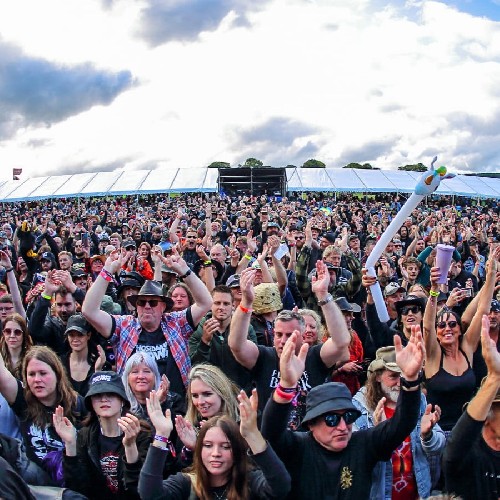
(333, 419)
(151, 302)
(410, 309)
(451, 324)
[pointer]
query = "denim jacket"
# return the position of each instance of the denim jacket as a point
(382, 474)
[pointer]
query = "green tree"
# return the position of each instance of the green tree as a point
(364, 166)
(252, 163)
(418, 167)
(313, 164)
(219, 164)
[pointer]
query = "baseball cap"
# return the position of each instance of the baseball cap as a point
(77, 323)
(495, 306)
(393, 288)
(233, 281)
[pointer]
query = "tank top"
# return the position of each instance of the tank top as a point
(450, 392)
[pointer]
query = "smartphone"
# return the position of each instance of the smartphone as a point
(468, 292)
(85, 239)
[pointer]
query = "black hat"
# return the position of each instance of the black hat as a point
(77, 323)
(102, 382)
(326, 398)
(130, 279)
(344, 305)
(410, 300)
(77, 273)
(151, 289)
(213, 263)
(129, 243)
(48, 256)
(329, 237)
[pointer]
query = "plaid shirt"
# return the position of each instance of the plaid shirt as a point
(175, 328)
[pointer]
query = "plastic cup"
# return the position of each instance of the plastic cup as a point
(444, 253)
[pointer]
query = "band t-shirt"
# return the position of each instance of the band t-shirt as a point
(109, 459)
(156, 345)
(266, 376)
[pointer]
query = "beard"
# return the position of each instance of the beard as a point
(391, 393)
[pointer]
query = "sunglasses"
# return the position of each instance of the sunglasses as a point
(451, 324)
(151, 302)
(298, 238)
(9, 332)
(410, 309)
(130, 247)
(333, 419)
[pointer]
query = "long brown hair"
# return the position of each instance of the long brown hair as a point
(374, 391)
(237, 487)
(4, 349)
(66, 396)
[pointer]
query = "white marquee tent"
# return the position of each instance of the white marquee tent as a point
(183, 180)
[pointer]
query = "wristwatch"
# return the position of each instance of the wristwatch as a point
(329, 298)
(188, 272)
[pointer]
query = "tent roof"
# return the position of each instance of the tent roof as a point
(182, 180)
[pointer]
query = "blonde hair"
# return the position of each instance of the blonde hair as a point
(216, 379)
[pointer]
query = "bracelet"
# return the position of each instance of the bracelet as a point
(433, 293)
(9, 269)
(329, 298)
(288, 396)
(45, 296)
(184, 276)
(107, 276)
(288, 390)
(246, 310)
(409, 384)
(207, 262)
(169, 446)
(245, 256)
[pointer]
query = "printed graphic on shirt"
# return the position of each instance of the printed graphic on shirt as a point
(158, 352)
(109, 467)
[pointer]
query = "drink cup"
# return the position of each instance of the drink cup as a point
(444, 253)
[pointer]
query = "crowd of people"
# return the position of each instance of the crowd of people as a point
(211, 347)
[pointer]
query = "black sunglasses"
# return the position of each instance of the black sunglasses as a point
(130, 247)
(298, 238)
(333, 419)
(151, 302)
(410, 309)
(451, 324)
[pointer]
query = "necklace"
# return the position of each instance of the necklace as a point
(220, 496)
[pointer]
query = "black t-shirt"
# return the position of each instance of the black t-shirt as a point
(109, 459)
(266, 377)
(155, 344)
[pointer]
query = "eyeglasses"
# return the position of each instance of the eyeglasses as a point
(8, 332)
(333, 419)
(151, 302)
(6, 309)
(451, 324)
(410, 309)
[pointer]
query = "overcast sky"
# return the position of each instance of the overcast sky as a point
(94, 85)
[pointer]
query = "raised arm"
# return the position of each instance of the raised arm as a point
(335, 349)
(8, 383)
(13, 285)
(472, 335)
(202, 299)
(281, 277)
(244, 350)
(91, 307)
(429, 323)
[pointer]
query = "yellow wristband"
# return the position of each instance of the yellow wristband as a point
(247, 257)
(45, 296)
(433, 294)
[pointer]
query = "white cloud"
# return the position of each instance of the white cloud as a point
(384, 83)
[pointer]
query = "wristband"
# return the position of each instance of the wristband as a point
(409, 384)
(207, 262)
(245, 256)
(169, 446)
(288, 396)
(45, 296)
(246, 310)
(9, 269)
(162, 439)
(187, 273)
(107, 276)
(288, 390)
(433, 294)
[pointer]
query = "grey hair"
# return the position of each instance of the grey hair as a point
(286, 316)
(132, 362)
